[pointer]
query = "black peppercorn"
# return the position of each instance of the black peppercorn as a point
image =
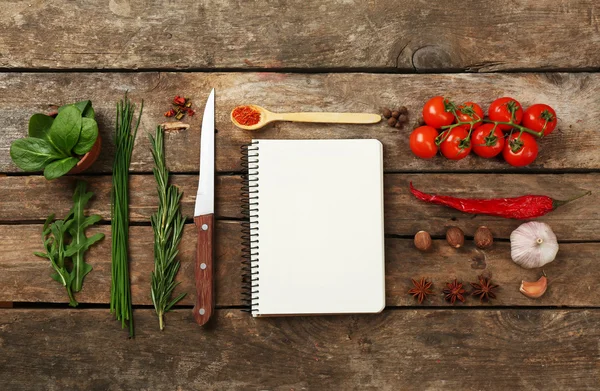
(399, 125)
(387, 113)
(392, 121)
(395, 114)
(403, 110)
(403, 118)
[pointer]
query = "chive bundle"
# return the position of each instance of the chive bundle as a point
(120, 291)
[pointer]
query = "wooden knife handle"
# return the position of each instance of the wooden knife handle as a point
(203, 269)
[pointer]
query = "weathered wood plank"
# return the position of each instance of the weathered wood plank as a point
(574, 96)
(26, 278)
(388, 35)
(31, 198)
(396, 350)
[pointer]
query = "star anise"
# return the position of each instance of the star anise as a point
(421, 289)
(484, 289)
(454, 291)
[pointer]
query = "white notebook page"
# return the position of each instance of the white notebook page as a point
(320, 225)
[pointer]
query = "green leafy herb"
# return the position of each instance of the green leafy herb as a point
(65, 239)
(120, 290)
(55, 144)
(167, 223)
(32, 154)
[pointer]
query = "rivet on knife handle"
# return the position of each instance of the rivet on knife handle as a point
(203, 269)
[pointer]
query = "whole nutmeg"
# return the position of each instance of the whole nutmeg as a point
(395, 114)
(455, 237)
(403, 110)
(387, 113)
(392, 121)
(423, 241)
(403, 118)
(483, 237)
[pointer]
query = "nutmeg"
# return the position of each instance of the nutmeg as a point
(387, 113)
(392, 121)
(423, 241)
(455, 237)
(483, 237)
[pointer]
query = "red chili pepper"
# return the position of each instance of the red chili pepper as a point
(190, 112)
(524, 207)
(170, 113)
(179, 101)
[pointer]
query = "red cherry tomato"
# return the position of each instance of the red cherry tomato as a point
(422, 142)
(486, 141)
(472, 112)
(500, 110)
(457, 145)
(540, 117)
(520, 150)
(436, 114)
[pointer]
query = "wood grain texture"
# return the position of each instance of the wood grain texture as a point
(396, 350)
(573, 146)
(26, 278)
(404, 215)
(204, 302)
(386, 35)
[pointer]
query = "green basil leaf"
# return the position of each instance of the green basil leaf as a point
(32, 154)
(60, 167)
(88, 136)
(82, 106)
(65, 130)
(89, 112)
(39, 124)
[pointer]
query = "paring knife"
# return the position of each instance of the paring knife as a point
(204, 216)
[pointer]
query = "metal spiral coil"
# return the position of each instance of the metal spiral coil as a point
(249, 200)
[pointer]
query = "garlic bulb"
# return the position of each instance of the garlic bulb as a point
(533, 245)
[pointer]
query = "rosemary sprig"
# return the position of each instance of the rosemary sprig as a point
(167, 223)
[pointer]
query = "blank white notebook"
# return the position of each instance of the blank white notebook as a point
(315, 237)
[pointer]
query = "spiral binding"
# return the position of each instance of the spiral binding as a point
(249, 199)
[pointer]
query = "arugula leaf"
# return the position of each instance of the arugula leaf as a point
(82, 106)
(88, 136)
(32, 154)
(65, 130)
(39, 124)
(80, 242)
(59, 167)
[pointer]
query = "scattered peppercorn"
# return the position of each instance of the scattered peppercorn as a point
(387, 113)
(455, 237)
(403, 110)
(403, 118)
(392, 121)
(422, 122)
(396, 118)
(399, 125)
(395, 114)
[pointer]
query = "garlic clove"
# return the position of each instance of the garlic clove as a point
(534, 289)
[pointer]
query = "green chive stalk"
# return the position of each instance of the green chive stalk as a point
(120, 291)
(167, 224)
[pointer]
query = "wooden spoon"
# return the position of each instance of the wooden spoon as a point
(267, 117)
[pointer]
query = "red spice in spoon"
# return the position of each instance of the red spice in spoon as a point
(246, 115)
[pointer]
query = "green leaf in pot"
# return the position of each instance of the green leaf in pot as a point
(65, 130)
(88, 136)
(82, 106)
(32, 154)
(39, 124)
(60, 167)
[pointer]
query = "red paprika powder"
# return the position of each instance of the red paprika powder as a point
(246, 115)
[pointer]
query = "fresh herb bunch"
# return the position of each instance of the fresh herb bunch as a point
(55, 144)
(66, 239)
(120, 290)
(167, 223)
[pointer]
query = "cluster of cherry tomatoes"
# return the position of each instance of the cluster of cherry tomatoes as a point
(457, 130)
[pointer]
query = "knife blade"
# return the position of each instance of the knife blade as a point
(204, 216)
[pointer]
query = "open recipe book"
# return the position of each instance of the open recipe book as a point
(315, 242)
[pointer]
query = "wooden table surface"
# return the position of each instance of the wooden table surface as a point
(341, 55)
